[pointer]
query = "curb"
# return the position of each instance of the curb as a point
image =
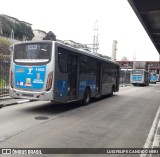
(124, 85)
(152, 140)
(13, 102)
(156, 143)
(23, 101)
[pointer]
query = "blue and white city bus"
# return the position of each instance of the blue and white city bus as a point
(157, 77)
(140, 77)
(153, 78)
(49, 70)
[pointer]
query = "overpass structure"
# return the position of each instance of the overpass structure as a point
(152, 66)
(148, 12)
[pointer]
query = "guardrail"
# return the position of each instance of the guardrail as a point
(124, 77)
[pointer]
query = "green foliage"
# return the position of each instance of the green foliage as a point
(5, 42)
(3, 83)
(4, 46)
(50, 36)
(20, 29)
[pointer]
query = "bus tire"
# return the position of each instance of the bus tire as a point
(86, 97)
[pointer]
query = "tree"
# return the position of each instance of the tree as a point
(50, 36)
(6, 26)
(20, 29)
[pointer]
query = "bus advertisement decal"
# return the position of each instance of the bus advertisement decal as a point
(30, 77)
(137, 77)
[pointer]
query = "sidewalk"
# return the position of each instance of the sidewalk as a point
(124, 85)
(8, 101)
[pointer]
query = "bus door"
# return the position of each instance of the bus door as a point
(98, 78)
(72, 76)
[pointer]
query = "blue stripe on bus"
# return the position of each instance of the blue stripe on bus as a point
(62, 87)
(84, 83)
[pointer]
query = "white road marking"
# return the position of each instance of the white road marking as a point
(157, 91)
(22, 101)
(150, 138)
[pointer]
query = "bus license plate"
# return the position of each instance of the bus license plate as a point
(28, 95)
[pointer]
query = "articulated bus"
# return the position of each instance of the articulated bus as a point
(140, 77)
(49, 70)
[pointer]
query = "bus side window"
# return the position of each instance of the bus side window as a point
(92, 67)
(62, 61)
(84, 65)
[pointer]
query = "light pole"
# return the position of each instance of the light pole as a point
(1, 28)
(12, 34)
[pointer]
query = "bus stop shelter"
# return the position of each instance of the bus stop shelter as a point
(148, 12)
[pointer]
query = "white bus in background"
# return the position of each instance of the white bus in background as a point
(158, 77)
(140, 77)
(153, 78)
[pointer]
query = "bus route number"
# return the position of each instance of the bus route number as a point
(39, 69)
(32, 47)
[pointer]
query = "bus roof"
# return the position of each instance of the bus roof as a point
(81, 51)
(85, 52)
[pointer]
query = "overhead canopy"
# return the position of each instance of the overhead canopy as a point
(148, 12)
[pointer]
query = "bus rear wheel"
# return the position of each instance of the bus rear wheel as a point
(86, 97)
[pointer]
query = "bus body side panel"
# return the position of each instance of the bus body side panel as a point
(146, 78)
(88, 76)
(117, 78)
(60, 82)
(107, 81)
(110, 78)
(86, 81)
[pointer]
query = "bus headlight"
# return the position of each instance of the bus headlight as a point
(49, 81)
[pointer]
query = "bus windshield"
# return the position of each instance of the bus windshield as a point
(32, 52)
(137, 72)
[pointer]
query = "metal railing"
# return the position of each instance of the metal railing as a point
(4, 75)
(124, 77)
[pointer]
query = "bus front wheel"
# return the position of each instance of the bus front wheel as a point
(87, 97)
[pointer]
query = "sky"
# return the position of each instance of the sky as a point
(75, 20)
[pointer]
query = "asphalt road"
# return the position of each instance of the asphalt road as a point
(121, 121)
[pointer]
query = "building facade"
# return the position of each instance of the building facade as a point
(39, 34)
(152, 66)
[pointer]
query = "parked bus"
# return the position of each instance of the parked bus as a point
(153, 78)
(140, 77)
(49, 70)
